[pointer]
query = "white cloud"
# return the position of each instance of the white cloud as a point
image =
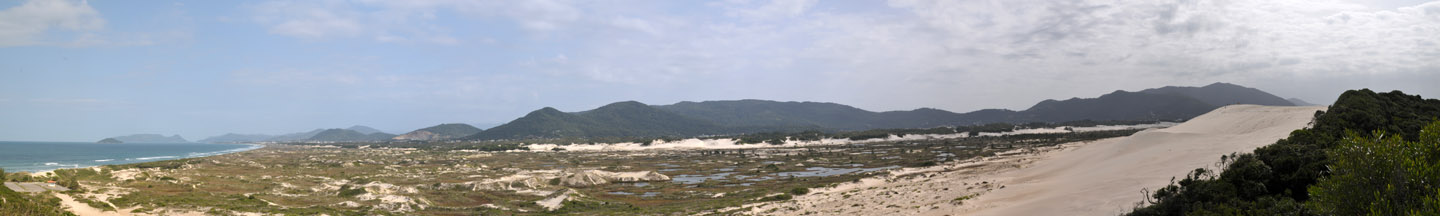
(763, 10)
(971, 50)
(404, 21)
(34, 21)
(310, 19)
(983, 50)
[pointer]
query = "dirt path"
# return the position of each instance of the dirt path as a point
(83, 209)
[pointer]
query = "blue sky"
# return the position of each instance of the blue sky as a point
(85, 70)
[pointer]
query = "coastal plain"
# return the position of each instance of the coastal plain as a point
(366, 180)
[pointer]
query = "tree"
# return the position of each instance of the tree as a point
(1382, 175)
(72, 184)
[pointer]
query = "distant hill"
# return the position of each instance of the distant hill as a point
(1299, 102)
(752, 113)
(1221, 94)
(634, 119)
(761, 114)
(347, 135)
(1168, 103)
(236, 138)
(440, 132)
(1118, 105)
(621, 119)
(150, 138)
(365, 134)
(295, 136)
(363, 129)
(110, 141)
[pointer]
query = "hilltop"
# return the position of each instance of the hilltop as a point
(621, 119)
(440, 132)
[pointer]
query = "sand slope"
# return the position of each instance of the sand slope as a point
(1106, 177)
(1102, 177)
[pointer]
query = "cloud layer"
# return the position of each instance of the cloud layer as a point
(37, 22)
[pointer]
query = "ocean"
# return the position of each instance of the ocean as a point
(46, 156)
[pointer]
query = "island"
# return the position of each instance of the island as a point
(110, 141)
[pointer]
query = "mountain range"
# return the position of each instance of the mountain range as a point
(621, 119)
(149, 138)
(353, 133)
(634, 119)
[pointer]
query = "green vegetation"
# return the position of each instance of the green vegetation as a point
(311, 180)
(1281, 179)
(94, 203)
(1380, 175)
(346, 191)
(780, 197)
(961, 200)
(18, 204)
(800, 191)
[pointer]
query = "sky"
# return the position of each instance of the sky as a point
(86, 70)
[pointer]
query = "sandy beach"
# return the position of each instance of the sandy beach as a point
(1102, 177)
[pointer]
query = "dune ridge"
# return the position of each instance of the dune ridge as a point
(1106, 177)
(1103, 177)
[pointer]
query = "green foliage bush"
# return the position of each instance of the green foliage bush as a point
(1277, 179)
(800, 191)
(781, 197)
(19, 204)
(1380, 175)
(347, 191)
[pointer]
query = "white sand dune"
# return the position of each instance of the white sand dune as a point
(1103, 177)
(1106, 178)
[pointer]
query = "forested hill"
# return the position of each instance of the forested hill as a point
(347, 135)
(1221, 94)
(1367, 154)
(621, 119)
(774, 114)
(440, 132)
(634, 119)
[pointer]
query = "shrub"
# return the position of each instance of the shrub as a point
(781, 197)
(800, 191)
(346, 191)
(1381, 175)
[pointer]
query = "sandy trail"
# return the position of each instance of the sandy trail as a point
(1103, 177)
(83, 209)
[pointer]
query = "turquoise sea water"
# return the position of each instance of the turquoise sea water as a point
(46, 156)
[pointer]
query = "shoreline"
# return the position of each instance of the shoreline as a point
(41, 173)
